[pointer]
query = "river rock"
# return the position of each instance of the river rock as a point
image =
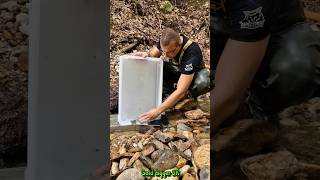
(130, 174)
(202, 156)
(167, 160)
(272, 166)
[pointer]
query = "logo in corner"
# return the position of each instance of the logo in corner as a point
(188, 67)
(253, 19)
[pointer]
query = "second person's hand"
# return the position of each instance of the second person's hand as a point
(141, 54)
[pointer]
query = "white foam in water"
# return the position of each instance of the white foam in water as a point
(140, 87)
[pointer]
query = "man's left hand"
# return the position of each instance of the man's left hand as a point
(150, 115)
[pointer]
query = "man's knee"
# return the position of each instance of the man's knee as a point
(201, 83)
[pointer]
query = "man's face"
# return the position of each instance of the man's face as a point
(171, 50)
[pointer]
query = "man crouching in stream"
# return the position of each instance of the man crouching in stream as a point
(184, 75)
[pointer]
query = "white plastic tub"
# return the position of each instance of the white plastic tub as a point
(140, 87)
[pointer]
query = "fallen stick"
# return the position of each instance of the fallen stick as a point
(130, 47)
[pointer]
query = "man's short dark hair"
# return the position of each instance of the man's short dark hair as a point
(168, 35)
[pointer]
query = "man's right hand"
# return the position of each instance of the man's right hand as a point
(141, 53)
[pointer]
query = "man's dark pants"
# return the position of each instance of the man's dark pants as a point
(171, 74)
(289, 73)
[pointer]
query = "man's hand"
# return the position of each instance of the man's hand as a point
(150, 115)
(141, 54)
(182, 87)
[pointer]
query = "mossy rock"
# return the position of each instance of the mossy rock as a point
(166, 7)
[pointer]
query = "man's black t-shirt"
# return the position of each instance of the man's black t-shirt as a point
(253, 20)
(249, 21)
(191, 60)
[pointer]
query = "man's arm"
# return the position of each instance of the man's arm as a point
(182, 88)
(237, 67)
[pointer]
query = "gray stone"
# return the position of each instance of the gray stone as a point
(10, 5)
(130, 174)
(314, 124)
(22, 18)
(167, 160)
(289, 122)
(182, 127)
(271, 166)
(7, 16)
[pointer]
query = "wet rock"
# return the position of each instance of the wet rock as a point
(159, 144)
(195, 123)
(192, 171)
(186, 105)
(202, 156)
(22, 18)
(188, 153)
(7, 16)
(146, 161)
(150, 148)
(204, 173)
(139, 165)
(314, 124)
(182, 146)
(122, 149)
(123, 164)
(182, 127)
(114, 156)
(313, 170)
(167, 160)
(24, 29)
(184, 170)
(203, 136)
(188, 176)
(245, 136)
(7, 35)
(181, 163)
(273, 166)
(300, 176)
(10, 5)
(180, 136)
(289, 123)
(196, 114)
(163, 137)
(134, 158)
(130, 174)
(203, 141)
(156, 154)
(188, 134)
(114, 168)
